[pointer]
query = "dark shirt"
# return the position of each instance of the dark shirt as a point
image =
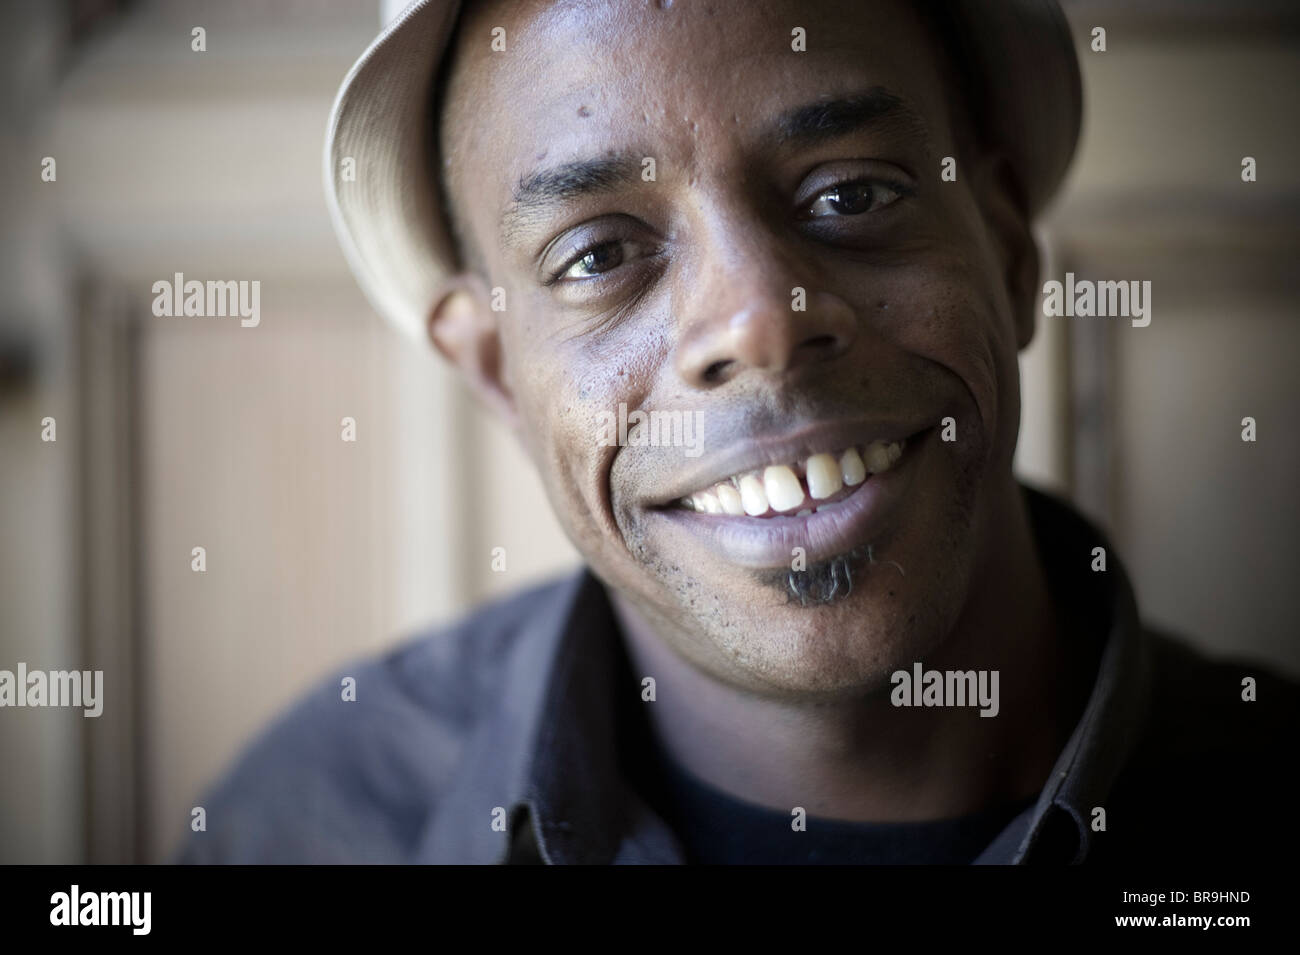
(715, 828)
(507, 738)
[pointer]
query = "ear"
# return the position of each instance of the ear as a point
(463, 327)
(1004, 211)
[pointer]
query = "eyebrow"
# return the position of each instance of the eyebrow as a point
(544, 188)
(837, 116)
(829, 118)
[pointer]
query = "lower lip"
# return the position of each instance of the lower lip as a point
(769, 543)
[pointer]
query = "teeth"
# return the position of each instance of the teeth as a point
(780, 487)
(784, 492)
(752, 495)
(852, 468)
(730, 500)
(876, 457)
(823, 476)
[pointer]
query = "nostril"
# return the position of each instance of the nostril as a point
(821, 341)
(714, 371)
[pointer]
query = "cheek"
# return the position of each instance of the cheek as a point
(954, 316)
(568, 387)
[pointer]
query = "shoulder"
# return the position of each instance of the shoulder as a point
(1208, 780)
(354, 780)
(1222, 705)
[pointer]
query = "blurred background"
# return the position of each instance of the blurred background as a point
(174, 433)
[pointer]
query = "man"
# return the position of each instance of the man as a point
(835, 629)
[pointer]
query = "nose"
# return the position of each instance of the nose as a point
(756, 316)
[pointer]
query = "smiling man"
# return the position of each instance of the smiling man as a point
(836, 629)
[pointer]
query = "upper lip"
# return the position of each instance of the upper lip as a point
(756, 451)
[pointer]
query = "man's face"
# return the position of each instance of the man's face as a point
(773, 171)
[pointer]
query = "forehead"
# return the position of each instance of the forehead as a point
(682, 81)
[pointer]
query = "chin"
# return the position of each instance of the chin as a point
(807, 642)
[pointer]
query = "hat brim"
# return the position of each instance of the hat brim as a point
(378, 172)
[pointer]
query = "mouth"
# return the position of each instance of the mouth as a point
(827, 503)
(800, 487)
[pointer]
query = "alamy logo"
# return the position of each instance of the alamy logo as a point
(946, 688)
(211, 299)
(75, 907)
(657, 429)
(1086, 299)
(84, 688)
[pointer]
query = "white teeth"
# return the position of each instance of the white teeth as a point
(752, 495)
(730, 500)
(823, 476)
(876, 457)
(784, 492)
(852, 468)
(780, 488)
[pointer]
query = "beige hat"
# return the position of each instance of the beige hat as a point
(379, 172)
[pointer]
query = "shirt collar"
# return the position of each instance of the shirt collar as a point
(1059, 828)
(541, 778)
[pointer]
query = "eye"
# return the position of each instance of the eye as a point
(592, 261)
(853, 198)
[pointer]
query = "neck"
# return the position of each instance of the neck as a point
(864, 758)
